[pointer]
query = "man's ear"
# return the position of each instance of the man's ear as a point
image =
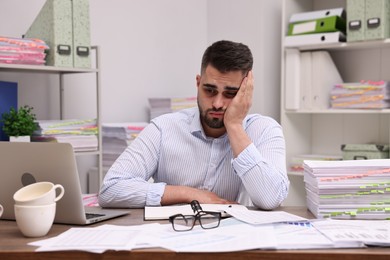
(198, 77)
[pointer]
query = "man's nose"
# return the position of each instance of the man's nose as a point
(218, 102)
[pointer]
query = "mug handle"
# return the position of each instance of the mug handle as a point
(59, 186)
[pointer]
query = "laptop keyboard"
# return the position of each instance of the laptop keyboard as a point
(93, 215)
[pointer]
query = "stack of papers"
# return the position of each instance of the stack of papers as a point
(364, 95)
(116, 137)
(81, 134)
(160, 106)
(351, 189)
(296, 164)
(22, 51)
(316, 27)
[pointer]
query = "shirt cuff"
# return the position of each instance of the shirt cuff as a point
(246, 160)
(154, 194)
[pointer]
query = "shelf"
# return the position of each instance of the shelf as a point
(43, 69)
(340, 111)
(61, 71)
(344, 46)
(295, 174)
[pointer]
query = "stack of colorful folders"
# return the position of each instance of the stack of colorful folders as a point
(316, 27)
(116, 137)
(364, 95)
(81, 134)
(22, 51)
(351, 189)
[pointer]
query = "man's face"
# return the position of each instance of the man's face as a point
(215, 92)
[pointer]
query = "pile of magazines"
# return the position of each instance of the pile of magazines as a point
(22, 51)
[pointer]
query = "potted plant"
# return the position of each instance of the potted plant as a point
(19, 124)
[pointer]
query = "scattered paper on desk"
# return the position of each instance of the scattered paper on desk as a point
(232, 235)
(369, 232)
(92, 239)
(255, 217)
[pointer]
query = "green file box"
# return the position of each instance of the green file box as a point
(377, 19)
(64, 26)
(54, 25)
(356, 22)
(81, 34)
(364, 151)
(326, 24)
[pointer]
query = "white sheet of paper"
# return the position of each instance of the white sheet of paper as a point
(256, 217)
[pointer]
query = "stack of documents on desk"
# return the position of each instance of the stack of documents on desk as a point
(116, 137)
(351, 189)
(364, 95)
(160, 106)
(81, 134)
(296, 164)
(316, 27)
(22, 51)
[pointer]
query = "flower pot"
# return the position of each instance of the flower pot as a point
(25, 138)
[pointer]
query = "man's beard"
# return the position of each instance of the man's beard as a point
(215, 123)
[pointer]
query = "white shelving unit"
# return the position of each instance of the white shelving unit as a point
(62, 72)
(323, 131)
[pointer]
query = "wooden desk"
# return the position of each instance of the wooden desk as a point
(14, 246)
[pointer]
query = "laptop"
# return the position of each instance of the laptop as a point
(24, 163)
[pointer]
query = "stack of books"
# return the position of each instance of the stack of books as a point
(363, 95)
(160, 106)
(349, 189)
(316, 27)
(22, 51)
(81, 134)
(116, 137)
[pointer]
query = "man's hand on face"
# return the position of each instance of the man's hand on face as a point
(241, 103)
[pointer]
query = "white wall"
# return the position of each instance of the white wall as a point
(152, 48)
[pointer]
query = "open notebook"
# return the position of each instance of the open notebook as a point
(164, 212)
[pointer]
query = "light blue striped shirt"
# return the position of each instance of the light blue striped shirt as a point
(174, 150)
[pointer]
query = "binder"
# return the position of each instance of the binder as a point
(292, 79)
(377, 19)
(328, 24)
(313, 15)
(324, 76)
(316, 38)
(305, 102)
(8, 99)
(54, 26)
(64, 26)
(356, 25)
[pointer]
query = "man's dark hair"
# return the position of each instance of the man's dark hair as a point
(228, 56)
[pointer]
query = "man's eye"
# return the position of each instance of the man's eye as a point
(210, 91)
(230, 94)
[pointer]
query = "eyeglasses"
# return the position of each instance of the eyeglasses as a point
(207, 219)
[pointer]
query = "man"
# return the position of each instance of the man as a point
(214, 153)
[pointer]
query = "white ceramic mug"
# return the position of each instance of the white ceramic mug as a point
(39, 193)
(35, 221)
